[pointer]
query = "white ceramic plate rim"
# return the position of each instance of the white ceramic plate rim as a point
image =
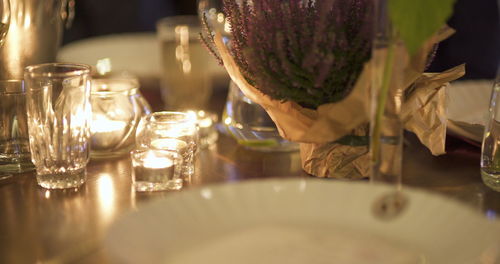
(443, 229)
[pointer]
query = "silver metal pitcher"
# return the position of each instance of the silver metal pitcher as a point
(34, 34)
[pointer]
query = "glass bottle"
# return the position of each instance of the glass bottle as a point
(386, 127)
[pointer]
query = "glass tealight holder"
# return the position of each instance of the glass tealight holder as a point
(207, 133)
(174, 131)
(156, 170)
(117, 108)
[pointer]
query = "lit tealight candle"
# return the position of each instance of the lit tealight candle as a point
(156, 170)
(154, 162)
(116, 110)
(169, 144)
(101, 124)
(106, 133)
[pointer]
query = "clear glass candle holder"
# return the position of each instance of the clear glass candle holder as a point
(207, 133)
(156, 170)
(175, 131)
(117, 108)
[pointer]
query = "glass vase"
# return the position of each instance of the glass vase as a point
(250, 124)
(386, 127)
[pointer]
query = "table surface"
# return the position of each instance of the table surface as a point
(67, 226)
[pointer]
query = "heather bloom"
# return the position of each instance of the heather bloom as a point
(306, 51)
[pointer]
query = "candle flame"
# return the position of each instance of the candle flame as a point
(151, 160)
(101, 124)
(169, 144)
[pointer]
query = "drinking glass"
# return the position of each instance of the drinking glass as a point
(59, 116)
(175, 131)
(490, 152)
(186, 65)
(14, 142)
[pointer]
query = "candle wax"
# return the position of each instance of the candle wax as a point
(169, 144)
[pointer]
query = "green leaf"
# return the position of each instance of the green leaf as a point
(417, 20)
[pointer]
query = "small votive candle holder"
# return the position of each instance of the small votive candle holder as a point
(117, 108)
(174, 131)
(207, 133)
(156, 170)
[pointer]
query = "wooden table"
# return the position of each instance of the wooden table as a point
(67, 226)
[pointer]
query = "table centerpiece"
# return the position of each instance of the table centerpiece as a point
(308, 64)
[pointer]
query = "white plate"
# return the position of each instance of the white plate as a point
(299, 221)
(135, 53)
(468, 103)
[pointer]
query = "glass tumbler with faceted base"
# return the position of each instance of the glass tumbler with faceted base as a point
(59, 115)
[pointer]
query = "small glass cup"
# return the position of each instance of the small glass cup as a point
(156, 170)
(174, 131)
(186, 65)
(14, 138)
(117, 108)
(490, 151)
(59, 115)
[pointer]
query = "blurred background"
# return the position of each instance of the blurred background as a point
(476, 43)
(98, 17)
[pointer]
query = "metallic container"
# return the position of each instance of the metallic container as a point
(34, 34)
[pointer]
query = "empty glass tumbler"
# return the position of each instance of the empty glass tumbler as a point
(14, 142)
(186, 65)
(490, 151)
(59, 116)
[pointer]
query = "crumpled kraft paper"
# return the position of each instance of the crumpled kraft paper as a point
(423, 113)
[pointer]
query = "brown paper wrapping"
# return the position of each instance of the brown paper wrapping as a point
(423, 114)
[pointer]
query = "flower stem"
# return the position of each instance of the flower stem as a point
(381, 101)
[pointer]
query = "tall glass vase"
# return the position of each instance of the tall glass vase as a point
(386, 128)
